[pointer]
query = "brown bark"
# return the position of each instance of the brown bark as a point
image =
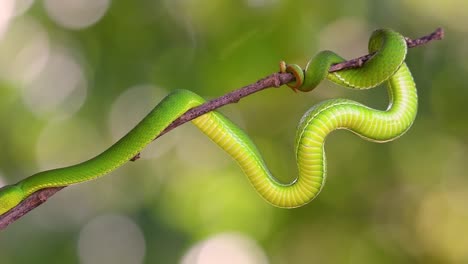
(273, 80)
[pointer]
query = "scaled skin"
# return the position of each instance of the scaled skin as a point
(375, 125)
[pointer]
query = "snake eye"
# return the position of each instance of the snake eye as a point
(10, 196)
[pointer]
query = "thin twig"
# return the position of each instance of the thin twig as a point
(438, 34)
(273, 80)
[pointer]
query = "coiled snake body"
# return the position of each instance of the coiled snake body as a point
(386, 65)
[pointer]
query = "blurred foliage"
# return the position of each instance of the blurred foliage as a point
(68, 92)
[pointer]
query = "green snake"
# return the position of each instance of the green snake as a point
(387, 64)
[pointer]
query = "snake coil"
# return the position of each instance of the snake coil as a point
(380, 126)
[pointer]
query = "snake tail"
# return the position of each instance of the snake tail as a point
(387, 65)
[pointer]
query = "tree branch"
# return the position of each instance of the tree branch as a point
(273, 80)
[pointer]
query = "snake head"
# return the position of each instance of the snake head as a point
(10, 196)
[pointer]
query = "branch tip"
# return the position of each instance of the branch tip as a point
(273, 80)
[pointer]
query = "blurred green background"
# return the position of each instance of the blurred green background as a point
(76, 75)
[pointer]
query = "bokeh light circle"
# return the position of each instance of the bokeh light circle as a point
(21, 6)
(60, 88)
(24, 51)
(228, 248)
(76, 14)
(111, 239)
(6, 13)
